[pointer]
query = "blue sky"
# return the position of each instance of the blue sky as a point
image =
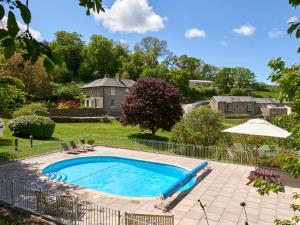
(223, 33)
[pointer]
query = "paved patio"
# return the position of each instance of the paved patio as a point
(222, 190)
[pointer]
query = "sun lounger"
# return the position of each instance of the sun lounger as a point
(76, 147)
(67, 149)
(83, 148)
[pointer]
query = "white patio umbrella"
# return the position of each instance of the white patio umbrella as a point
(259, 128)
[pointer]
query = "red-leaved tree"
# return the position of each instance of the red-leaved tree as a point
(152, 104)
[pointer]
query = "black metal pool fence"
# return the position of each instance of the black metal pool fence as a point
(233, 154)
(61, 208)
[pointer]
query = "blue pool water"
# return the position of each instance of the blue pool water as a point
(118, 176)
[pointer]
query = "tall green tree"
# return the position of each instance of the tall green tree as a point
(209, 72)
(69, 47)
(243, 77)
(225, 80)
(154, 49)
(98, 58)
(192, 66)
(12, 40)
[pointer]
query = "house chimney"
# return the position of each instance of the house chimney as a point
(118, 76)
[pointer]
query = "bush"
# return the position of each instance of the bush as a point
(238, 92)
(34, 109)
(7, 80)
(64, 119)
(91, 142)
(202, 126)
(285, 159)
(37, 126)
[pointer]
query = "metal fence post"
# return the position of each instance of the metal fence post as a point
(119, 218)
(12, 192)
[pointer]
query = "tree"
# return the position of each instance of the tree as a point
(10, 98)
(202, 126)
(69, 47)
(225, 80)
(154, 49)
(34, 76)
(237, 77)
(209, 72)
(133, 67)
(13, 37)
(180, 78)
(152, 104)
(191, 65)
(243, 77)
(98, 58)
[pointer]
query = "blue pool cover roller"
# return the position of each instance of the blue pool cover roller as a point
(175, 187)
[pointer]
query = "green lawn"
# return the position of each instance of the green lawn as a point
(110, 134)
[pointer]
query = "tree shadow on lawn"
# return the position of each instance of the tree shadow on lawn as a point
(5, 142)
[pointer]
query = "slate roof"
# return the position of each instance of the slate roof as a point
(230, 99)
(110, 82)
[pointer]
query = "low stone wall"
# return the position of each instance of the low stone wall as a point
(86, 112)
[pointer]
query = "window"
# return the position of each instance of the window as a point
(228, 107)
(112, 103)
(87, 103)
(126, 91)
(112, 91)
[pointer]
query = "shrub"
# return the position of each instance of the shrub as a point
(64, 119)
(202, 126)
(281, 160)
(7, 80)
(37, 126)
(91, 142)
(238, 92)
(34, 109)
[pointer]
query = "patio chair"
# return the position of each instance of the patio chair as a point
(45, 204)
(68, 206)
(67, 149)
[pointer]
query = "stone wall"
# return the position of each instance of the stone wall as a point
(86, 112)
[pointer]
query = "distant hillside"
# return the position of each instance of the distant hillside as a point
(269, 91)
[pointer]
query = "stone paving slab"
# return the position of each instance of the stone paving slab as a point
(221, 190)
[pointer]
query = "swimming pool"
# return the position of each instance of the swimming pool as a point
(117, 176)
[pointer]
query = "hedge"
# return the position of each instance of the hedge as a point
(64, 119)
(37, 126)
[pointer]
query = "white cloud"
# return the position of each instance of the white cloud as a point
(130, 16)
(275, 33)
(194, 33)
(245, 30)
(293, 19)
(35, 33)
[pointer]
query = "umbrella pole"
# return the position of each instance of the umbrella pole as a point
(257, 143)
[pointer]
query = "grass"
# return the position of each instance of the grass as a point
(111, 134)
(269, 92)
